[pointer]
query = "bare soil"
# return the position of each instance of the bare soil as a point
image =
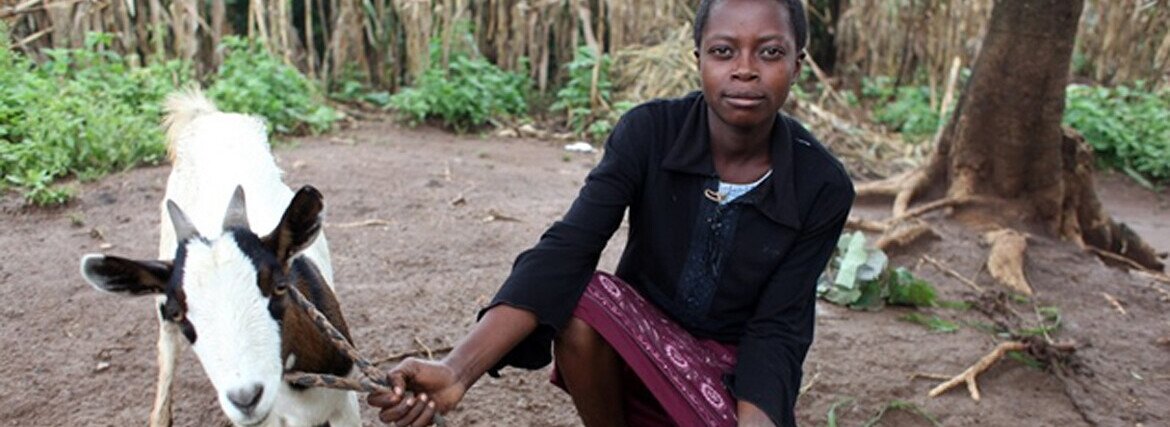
(424, 226)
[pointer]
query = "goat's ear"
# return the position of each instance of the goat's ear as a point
(125, 276)
(299, 226)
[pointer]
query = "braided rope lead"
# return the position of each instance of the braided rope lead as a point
(372, 377)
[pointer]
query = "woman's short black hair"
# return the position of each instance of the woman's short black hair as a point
(799, 22)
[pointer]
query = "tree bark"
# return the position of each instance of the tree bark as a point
(1005, 141)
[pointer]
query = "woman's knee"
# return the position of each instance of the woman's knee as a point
(578, 337)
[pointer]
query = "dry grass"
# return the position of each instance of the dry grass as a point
(1120, 41)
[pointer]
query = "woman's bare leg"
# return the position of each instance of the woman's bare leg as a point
(591, 370)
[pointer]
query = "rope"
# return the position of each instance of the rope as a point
(372, 377)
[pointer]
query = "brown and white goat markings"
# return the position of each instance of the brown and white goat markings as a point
(225, 288)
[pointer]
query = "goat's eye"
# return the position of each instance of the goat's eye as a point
(171, 312)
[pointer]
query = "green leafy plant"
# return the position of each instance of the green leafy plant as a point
(253, 81)
(575, 98)
(82, 112)
(87, 112)
(350, 89)
(470, 93)
(1049, 323)
(860, 278)
(1128, 126)
(904, 109)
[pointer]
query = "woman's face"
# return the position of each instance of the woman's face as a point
(747, 61)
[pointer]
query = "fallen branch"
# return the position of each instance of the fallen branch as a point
(950, 272)
(811, 382)
(1115, 303)
(413, 353)
(366, 223)
(494, 215)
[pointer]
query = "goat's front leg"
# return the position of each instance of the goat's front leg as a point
(168, 354)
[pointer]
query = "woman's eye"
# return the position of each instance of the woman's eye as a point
(720, 51)
(772, 53)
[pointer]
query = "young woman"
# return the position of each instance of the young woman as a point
(734, 209)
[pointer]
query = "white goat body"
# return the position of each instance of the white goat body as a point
(214, 154)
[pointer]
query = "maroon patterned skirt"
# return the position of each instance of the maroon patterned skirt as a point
(682, 374)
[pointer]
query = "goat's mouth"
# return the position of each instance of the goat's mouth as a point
(257, 422)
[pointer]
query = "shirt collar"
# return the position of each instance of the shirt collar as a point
(691, 153)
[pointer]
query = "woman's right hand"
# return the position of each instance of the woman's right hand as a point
(436, 389)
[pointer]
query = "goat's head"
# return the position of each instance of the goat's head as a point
(227, 293)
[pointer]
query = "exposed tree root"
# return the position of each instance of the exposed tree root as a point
(1006, 260)
(904, 234)
(1037, 348)
(902, 187)
(854, 223)
(968, 376)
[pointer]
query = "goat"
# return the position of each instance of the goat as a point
(225, 288)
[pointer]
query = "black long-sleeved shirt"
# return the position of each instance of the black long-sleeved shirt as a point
(657, 164)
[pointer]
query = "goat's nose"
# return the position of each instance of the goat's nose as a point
(246, 398)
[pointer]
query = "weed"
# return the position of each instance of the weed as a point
(470, 93)
(575, 99)
(934, 323)
(902, 405)
(83, 112)
(1128, 126)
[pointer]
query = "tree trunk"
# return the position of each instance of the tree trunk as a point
(1005, 142)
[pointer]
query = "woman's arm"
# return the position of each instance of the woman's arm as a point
(780, 332)
(441, 385)
(751, 415)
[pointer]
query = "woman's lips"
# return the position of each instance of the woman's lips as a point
(743, 100)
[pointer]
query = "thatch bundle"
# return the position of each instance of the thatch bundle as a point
(662, 70)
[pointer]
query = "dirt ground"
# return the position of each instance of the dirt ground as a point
(424, 226)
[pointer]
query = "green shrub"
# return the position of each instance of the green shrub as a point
(574, 99)
(252, 80)
(88, 112)
(1128, 127)
(904, 109)
(468, 94)
(84, 112)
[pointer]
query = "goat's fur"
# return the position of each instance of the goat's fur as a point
(225, 296)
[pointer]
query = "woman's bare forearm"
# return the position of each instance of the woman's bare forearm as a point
(500, 329)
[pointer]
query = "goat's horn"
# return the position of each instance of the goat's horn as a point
(183, 228)
(237, 213)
